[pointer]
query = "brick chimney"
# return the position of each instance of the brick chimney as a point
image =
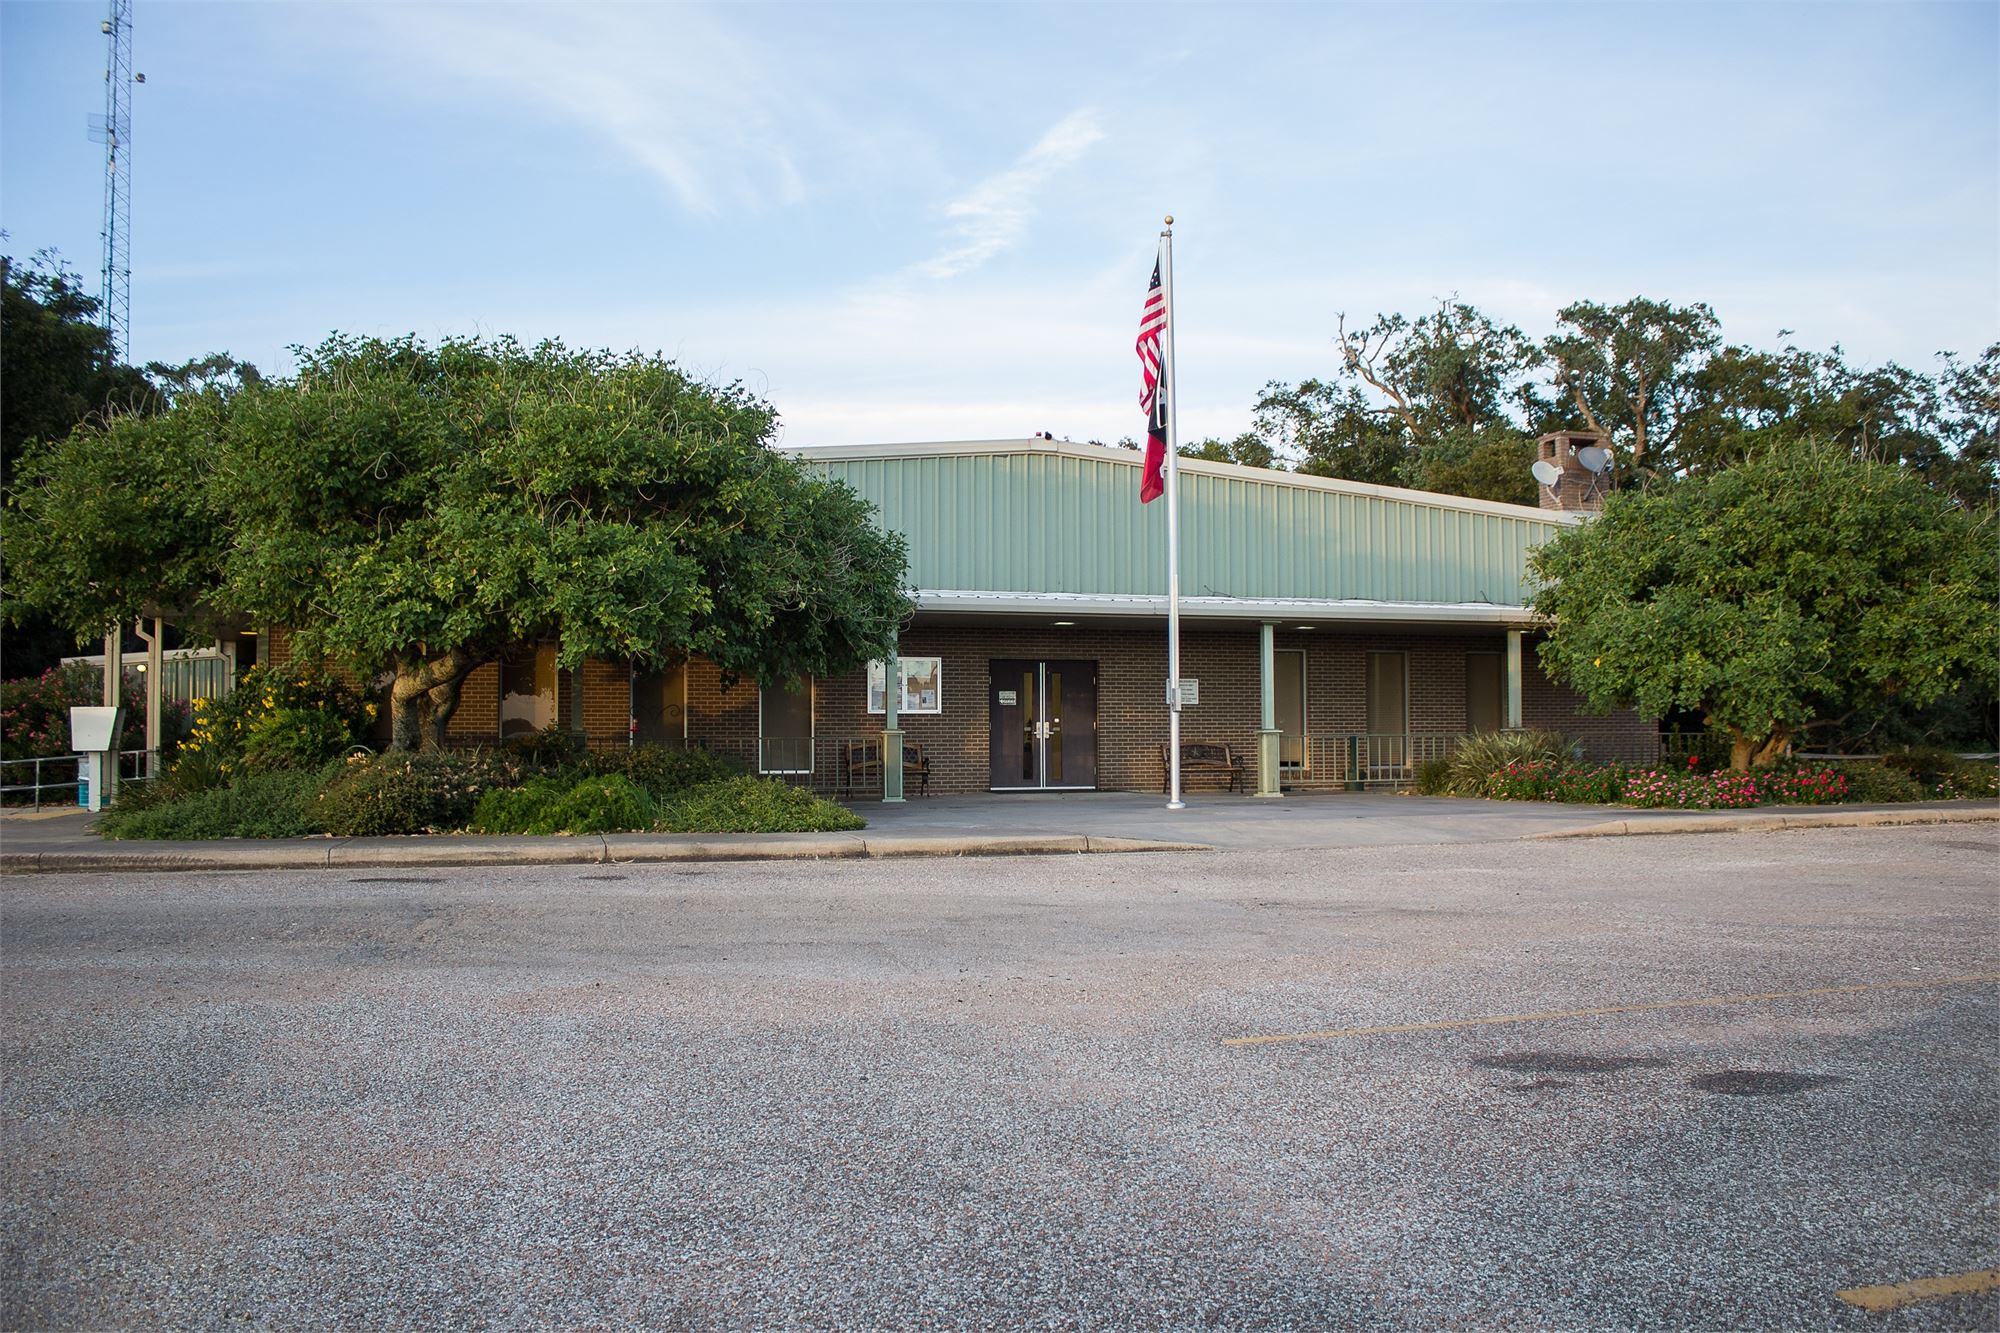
(1577, 489)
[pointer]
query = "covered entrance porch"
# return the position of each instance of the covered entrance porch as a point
(1043, 692)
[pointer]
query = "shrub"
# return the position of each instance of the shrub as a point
(516, 809)
(603, 804)
(1433, 778)
(1872, 783)
(1927, 764)
(294, 737)
(548, 749)
(294, 715)
(1479, 758)
(662, 770)
(258, 805)
(34, 711)
(754, 805)
(427, 792)
(1971, 780)
(190, 771)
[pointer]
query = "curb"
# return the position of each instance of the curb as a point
(1623, 828)
(595, 849)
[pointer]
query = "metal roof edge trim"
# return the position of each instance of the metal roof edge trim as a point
(1232, 608)
(1133, 458)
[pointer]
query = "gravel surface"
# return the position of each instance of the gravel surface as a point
(991, 1093)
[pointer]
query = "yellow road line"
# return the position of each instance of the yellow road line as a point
(1881, 1300)
(1705, 1002)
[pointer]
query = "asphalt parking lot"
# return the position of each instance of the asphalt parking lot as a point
(1694, 1081)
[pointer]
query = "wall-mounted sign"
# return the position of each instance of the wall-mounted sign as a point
(922, 690)
(1190, 692)
(1007, 698)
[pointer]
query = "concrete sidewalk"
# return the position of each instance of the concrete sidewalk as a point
(1075, 822)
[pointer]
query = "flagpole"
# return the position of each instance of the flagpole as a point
(1173, 470)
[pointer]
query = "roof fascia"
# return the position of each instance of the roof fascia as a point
(1225, 608)
(1234, 471)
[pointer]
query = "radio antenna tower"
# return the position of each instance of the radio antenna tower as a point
(113, 129)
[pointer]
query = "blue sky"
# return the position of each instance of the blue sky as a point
(936, 222)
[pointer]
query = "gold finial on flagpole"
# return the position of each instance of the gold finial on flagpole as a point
(1170, 219)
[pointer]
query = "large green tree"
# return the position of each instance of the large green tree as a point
(1779, 595)
(1443, 402)
(56, 369)
(1628, 371)
(1248, 449)
(415, 511)
(56, 363)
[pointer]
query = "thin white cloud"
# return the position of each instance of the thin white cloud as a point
(682, 95)
(994, 215)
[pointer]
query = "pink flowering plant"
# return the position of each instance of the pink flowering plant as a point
(34, 711)
(1673, 786)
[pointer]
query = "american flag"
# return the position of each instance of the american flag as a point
(1153, 388)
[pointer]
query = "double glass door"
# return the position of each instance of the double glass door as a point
(1044, 722)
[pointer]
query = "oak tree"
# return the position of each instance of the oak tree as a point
(1783, 594)
(412, 512)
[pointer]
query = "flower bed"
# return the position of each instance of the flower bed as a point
(1543, 766)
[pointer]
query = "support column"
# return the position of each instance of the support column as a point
(892, 735)
(1267, 736)
(1514, 670)
(155, 687)
(114, 697)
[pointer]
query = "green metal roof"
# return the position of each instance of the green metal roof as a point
(1047, 517)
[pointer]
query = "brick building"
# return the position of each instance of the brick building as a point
(1336, 633)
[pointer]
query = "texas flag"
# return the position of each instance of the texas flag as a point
(1153, 393)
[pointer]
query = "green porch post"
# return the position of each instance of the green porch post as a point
(1513, 680)
(892, 735)
(1267, 738)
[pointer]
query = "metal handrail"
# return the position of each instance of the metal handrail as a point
(1355, 759)
(137, 763)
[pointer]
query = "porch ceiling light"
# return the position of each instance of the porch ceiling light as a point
(1305, 627)
(1062, 622)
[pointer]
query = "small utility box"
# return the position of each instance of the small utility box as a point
(93, 734)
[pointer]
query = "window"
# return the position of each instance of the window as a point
(923, 689)
(528, 691)
(785, 729)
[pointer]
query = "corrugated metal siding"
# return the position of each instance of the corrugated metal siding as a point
(1041, 522)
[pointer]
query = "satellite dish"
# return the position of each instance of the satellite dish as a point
(1594, 458)
(1546, 472)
